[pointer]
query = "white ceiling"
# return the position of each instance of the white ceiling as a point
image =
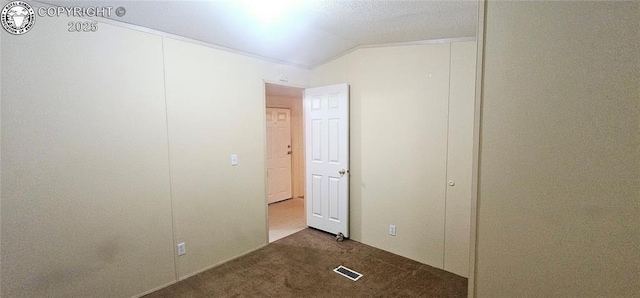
(310, 33)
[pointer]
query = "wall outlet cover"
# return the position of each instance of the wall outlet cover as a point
(182, 249)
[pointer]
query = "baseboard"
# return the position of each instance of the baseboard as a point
(221, 262)
(154, 289)
(198, 272)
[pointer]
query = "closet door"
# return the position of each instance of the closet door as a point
(460, 158)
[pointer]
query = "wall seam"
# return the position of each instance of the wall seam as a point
(166, 110)
(446, 168)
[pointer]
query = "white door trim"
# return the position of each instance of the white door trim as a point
(477, 128)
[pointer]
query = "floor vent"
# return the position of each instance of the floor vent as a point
(348, 273)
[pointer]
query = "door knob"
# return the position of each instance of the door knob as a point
(288, 152)
(342, 172)
(451, 183)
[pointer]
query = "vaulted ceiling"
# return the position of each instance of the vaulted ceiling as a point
(305, 33)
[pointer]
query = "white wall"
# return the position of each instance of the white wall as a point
(94, 177)
(398, 137)
(402, 93)
(559, 205)
(85, 172)
(333, 72)
(216, 110)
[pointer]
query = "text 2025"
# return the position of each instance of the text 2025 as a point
(83, 26)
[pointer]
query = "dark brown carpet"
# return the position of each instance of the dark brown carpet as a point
(302, 264)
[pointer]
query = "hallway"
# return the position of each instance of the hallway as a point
(285, 218)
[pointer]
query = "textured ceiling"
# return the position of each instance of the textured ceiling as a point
(310, 33)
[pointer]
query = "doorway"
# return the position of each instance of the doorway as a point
(285, 161)
(279, 171)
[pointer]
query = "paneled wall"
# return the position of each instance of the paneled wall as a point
(402, 129)
(400, 136)
(103, 173)
(85, 199)
(216, 111)
(559, 189)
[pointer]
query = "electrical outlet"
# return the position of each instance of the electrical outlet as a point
(392, 230)
(182, 249)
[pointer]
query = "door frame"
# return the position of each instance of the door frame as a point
(477, 139)
(264, 129)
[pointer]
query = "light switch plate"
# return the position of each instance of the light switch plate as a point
(182, 248)
(392, 230)
(234, 160)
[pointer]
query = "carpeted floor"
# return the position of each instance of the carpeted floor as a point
(302, 264)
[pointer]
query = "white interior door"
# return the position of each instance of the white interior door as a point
(278, 154)
(326, 129)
